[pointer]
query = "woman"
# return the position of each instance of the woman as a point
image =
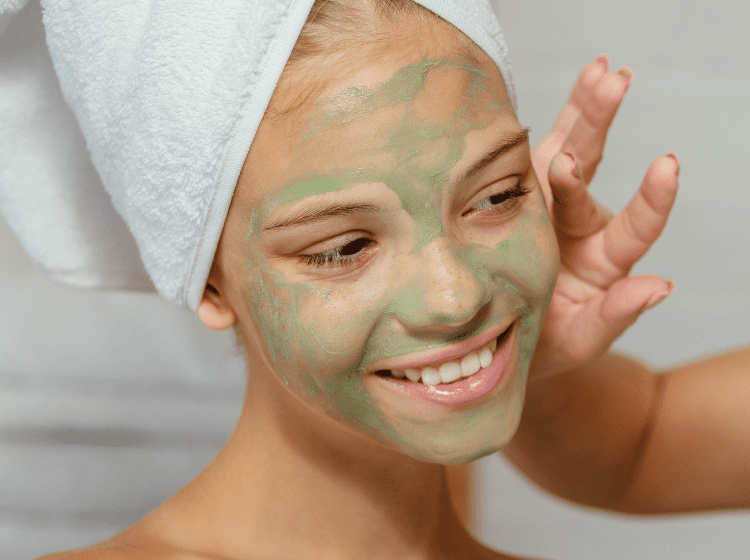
(387, 229)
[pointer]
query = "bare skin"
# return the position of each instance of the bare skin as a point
(600, 429)
(618, 436)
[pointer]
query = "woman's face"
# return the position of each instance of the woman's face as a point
(395, 236)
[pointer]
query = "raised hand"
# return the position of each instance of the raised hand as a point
(601, 429)
(594, 299)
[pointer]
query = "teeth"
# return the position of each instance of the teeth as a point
(485, 357)
(451, 371)
(470, 365)
(430, 376)
(413, 374)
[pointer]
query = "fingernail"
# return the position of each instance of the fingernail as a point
(658, 297)
(676, 160)
(627, 72)
(602, 60)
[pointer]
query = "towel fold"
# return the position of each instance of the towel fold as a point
(121, 175)
(50, 193)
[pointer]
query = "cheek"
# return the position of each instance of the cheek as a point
(526, 261)
(273, 304)
(533, 252)
(317, 339)
(522, 269)
(533, 259)
(335, 323)
(314, 334)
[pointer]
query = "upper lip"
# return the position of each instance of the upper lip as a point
(423, 358)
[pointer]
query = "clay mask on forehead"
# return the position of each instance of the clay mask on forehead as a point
(401, 137)
(414, 147)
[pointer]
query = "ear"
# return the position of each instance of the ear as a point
(214, 310)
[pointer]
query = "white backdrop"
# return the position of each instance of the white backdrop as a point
(110, 402)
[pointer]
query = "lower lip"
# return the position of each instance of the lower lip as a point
(466, 390)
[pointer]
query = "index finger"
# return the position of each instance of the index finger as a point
(589, 132)
(582, 91)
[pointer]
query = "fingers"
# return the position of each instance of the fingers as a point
(584, 123)
(582, 91)
(624, 302)
(627, 298)
(589, 132)
(629, 235)
(575, 213)
(592, 326)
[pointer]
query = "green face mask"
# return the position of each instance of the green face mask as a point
(401, 140)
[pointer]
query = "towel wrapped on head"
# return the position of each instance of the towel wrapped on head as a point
(130, 190)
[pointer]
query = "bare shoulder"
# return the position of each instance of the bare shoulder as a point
(129, 552)
(108, 553)
(124, 552)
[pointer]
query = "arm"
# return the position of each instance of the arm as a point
(613, 434)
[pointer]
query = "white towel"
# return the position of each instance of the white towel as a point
(166, 95)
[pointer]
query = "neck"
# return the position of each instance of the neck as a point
(292, 484)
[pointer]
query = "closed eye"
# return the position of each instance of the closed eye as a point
(502, 201)
(343, 255)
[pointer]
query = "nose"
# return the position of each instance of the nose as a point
(446, 289)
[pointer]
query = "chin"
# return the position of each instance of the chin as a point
(457, 455)
(471, 457)
(458, 447)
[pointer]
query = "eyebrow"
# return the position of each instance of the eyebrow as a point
(306, 215)
(504, 146)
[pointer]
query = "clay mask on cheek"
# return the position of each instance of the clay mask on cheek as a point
(314, 359)
(526, 264)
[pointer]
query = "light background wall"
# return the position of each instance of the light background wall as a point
(110, 402)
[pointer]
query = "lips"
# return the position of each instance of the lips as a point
(465, 389)
(449, 371)
(455, 351)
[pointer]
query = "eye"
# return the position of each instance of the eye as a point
(499, 202)
(340, 256)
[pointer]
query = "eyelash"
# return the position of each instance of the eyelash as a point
(516, 192)
(336, 257)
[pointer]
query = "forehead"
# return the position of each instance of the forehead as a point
(397, 115)
(423, 100)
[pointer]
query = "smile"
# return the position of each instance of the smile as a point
(472, 369)
(449, 371)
